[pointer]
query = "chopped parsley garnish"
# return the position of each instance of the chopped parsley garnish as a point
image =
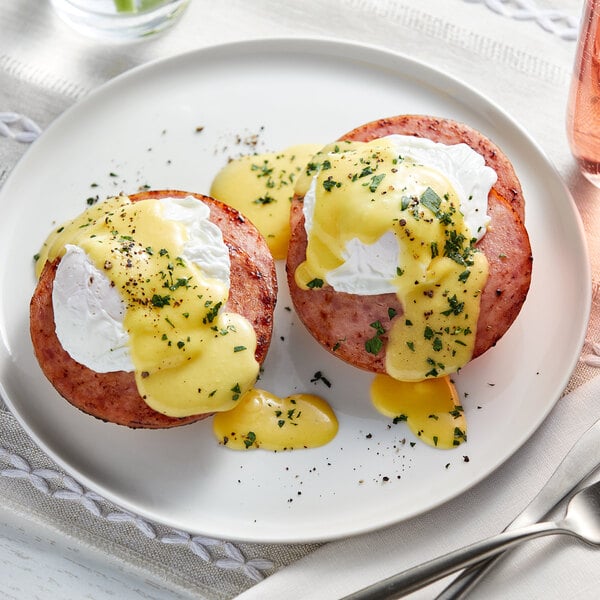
(375, 344)
(160, 301)
(406, 201)
(212, 313)
(457, 412)
(456, 307)
(263, 170)
(330, 183)
(455, 249)
(266, 199)
(464, 276)
(315, 283)
(375, 181)
(179, 282)
(431, 200)
(249, 439)
(459, 436)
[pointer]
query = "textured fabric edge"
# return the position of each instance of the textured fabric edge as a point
(63, 487)
(553, 21)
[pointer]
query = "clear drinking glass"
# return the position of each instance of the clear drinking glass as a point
(119, 20)
(583, 109)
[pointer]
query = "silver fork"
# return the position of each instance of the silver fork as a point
(580, 461)
(582, 520)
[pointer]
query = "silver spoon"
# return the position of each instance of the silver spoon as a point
(582, 520)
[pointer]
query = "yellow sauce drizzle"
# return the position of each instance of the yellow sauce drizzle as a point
(430, 408)
(181, 343)
(261, 188)
(263, 420)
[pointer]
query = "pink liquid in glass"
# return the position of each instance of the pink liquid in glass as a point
(583, 109)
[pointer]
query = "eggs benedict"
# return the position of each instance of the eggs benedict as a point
(408, 254)
(155, 309)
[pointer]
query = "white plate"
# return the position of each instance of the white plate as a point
(141, 127)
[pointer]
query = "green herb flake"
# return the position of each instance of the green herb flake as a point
(249, 439)
(330, 183)
(237, 391)
(405, 202)
(266, 199)
(456, 307)
(459, 436)
(375, 181)
(211, 313)
(464, 276)
(160, 301)
(374, 345)
(378, 327)
(431, 200)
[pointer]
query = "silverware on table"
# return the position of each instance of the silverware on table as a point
(582, 520)
(582, 459)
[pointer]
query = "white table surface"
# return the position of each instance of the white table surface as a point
(39, 562)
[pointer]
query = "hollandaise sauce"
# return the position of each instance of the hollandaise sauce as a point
(182, 344)
(261, 187)
(263, 420)
(430, 408)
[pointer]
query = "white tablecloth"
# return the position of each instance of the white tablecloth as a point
(518, 53)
